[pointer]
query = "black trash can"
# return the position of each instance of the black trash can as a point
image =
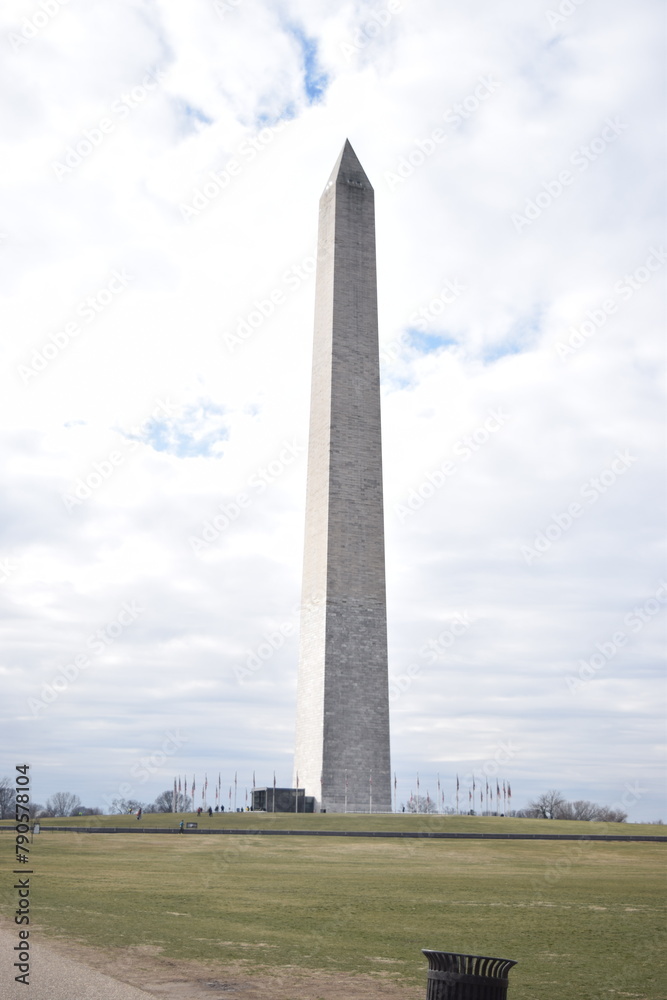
(466, 977)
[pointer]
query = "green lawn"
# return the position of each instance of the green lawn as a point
(359, 821)
(582, 920)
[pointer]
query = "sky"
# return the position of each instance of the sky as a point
(163, 164)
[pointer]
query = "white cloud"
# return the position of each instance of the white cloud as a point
(196, 421)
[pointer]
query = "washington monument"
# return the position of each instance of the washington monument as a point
(342, 730)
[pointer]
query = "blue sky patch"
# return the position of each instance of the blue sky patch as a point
(522, 336)
(316, 80)
(428, 342)
(197, 432)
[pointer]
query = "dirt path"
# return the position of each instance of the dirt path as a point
(78, 972)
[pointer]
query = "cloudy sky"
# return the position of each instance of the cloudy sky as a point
(163, 164)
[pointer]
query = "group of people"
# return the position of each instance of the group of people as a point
(210, 811)
(200, 810)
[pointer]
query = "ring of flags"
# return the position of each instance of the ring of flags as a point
(492, 801)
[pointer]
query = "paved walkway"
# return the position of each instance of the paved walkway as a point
(55, 977)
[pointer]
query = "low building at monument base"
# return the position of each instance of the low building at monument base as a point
(282, 800)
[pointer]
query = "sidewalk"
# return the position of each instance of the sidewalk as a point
(55, 977)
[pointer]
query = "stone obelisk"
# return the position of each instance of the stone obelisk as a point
(342, 732)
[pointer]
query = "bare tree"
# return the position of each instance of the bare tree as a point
(552, 805)
(424, 804)
(125, 806)
(7, 799)
(547, 806)
(584, 810)
(164, 803)
(605, 815)
(62, 804)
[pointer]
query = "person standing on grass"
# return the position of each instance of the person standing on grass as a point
(139, 813)
(210, 811)
(180, 827)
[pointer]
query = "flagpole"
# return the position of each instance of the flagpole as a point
(370, 792)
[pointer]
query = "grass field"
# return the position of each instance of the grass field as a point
(583, 920)
(360, 821)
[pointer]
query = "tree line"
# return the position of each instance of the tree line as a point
(552, 805)
(67, 804)
(549, 805)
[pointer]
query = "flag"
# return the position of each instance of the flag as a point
(254, 783)
(274, 781)
(193, 788)
(509, 790)
(457, 782)
(473, 784)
